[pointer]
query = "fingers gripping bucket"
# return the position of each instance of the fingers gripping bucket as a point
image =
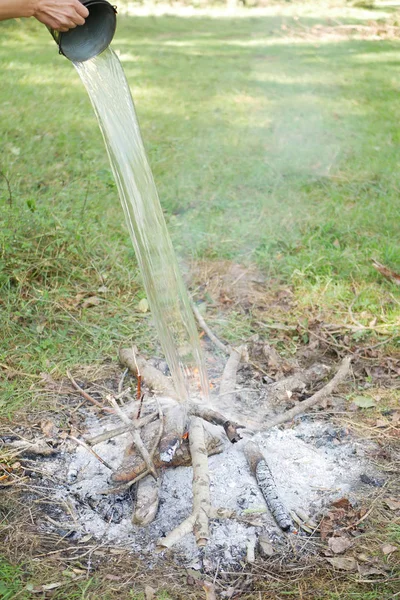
(88, 40)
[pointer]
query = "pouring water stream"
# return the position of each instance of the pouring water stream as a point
(109, 92)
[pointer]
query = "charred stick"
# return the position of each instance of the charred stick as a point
(216, 418)
(125, 486)
(174, 429)
(259, 468)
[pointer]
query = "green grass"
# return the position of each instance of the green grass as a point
(17, 582)
(266, 147)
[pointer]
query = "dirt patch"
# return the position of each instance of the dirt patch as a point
(230, 285)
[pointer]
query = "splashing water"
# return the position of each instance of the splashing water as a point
(108, 89)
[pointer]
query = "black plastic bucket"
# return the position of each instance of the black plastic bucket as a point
(89, 40)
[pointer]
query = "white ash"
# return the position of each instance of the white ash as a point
(310, 463)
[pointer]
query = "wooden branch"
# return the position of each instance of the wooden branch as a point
(87, 396)
(216, 418)
(228, 382)
(125, 486)
(133, 464)
(201, 481)
(174, 429)
(147, 500)
(217, 342)
(155, 380)
(137, 440)
(112, 433)
(282, 390)
(176, 534)
(160, 432)
(259, 468)
(323, 393)
(121, 381)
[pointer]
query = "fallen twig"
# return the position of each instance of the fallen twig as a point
(217, 342)
(88, 396)
(37, 448)
(112, 433)
(283, 389)
(314, 399)
(386, 272)
(176, 534)
(228, 382)
(6, 179)
(89, 449)
(121, 381)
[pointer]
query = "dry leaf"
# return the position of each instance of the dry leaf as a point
(46, 587)
(209, 589)
(363, 557)
(49, 381)
(343, 563)
(149, 593)
(366, 570)
(388, 549)
(364, 402)
(338, 545)
(265, 546)
(392, 503)
(49, 428)
(342, 503)
(143, 305)
(229, 593)
(381, 423)
(396, 417)
(78, 298)
(92, 301)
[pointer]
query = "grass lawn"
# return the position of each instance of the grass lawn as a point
(274, 141)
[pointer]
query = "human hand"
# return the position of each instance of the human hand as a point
(60, 15)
